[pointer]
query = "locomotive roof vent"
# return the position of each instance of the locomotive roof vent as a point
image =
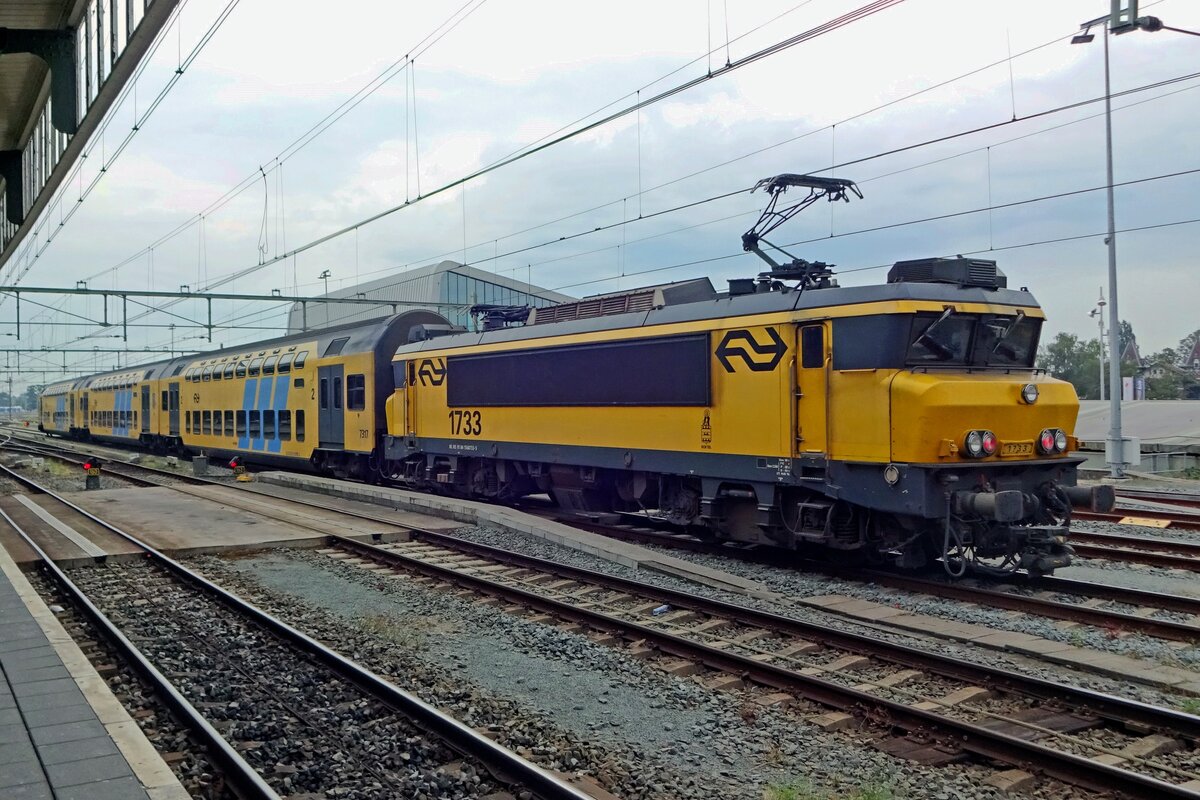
(644, 299)
(960, 271)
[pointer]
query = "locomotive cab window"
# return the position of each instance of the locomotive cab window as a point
(356, 392)
(1007, 341)
(941, 338)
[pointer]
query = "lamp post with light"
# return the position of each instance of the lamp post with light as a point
(1117, 21)
(325, 277)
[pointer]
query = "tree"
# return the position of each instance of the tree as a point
(1069, 358)
(30, 398)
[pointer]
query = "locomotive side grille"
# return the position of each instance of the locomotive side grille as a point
(982, 272)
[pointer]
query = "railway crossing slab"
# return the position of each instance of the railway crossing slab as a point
(62, 732)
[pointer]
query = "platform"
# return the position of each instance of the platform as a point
(63, 735)
(470, 512)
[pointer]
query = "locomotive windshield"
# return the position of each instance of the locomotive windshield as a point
(955, 339)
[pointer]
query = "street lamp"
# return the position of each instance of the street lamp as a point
(1098, 313)
(1118, 21)
(325, 277)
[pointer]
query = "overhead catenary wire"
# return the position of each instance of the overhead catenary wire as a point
(846, 19)
(725, 195)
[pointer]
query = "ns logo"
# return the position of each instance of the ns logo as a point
(741, 347)
(432, 371)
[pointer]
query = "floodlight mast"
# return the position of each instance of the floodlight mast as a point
(809, 273)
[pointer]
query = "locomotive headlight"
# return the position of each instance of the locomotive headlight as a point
(974, 444)
(989, 442)
(1029, 393)
(1046, 441)
(1060, 441)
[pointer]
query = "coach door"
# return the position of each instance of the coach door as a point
(330, 396)
(173, 408)
(145, 408)
(812, 395)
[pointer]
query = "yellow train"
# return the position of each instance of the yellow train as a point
(310, 401)
(903, 422)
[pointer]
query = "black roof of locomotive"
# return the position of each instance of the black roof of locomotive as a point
(736, 306)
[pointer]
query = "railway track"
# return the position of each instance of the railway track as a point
(1157, 552)
(1170, 498)
(945, 708)
(283, 698)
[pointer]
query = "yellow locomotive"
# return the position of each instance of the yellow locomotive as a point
(904, 421)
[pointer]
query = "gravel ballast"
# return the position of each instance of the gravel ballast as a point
(640, 732)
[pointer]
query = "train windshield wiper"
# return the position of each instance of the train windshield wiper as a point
(1012, 326)
(926, 338)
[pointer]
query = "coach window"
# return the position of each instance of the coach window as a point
(337, 393)
(207, 374)
(255, 424)
(187, 421)
(285, 363)
(206, 423)
(241, 423)
(218, 427)
(324, 393)
(241, 369)
(334, 348)
(301, 357)
(229, 423)
(268, 424)
(356, 392)
(299, 425)
(165, 402)
(227, 373)
(255, 366)
(269, 365)
(285, 424)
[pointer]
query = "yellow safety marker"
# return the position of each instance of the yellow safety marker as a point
(1144, 522)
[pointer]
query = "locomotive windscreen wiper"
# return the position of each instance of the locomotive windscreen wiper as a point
(1012, 326)
(933, 344)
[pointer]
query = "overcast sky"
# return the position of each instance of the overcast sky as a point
(514, 71)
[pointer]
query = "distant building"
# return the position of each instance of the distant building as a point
(1192, 360)
(449, 288)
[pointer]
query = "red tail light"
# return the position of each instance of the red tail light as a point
(989, 443)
